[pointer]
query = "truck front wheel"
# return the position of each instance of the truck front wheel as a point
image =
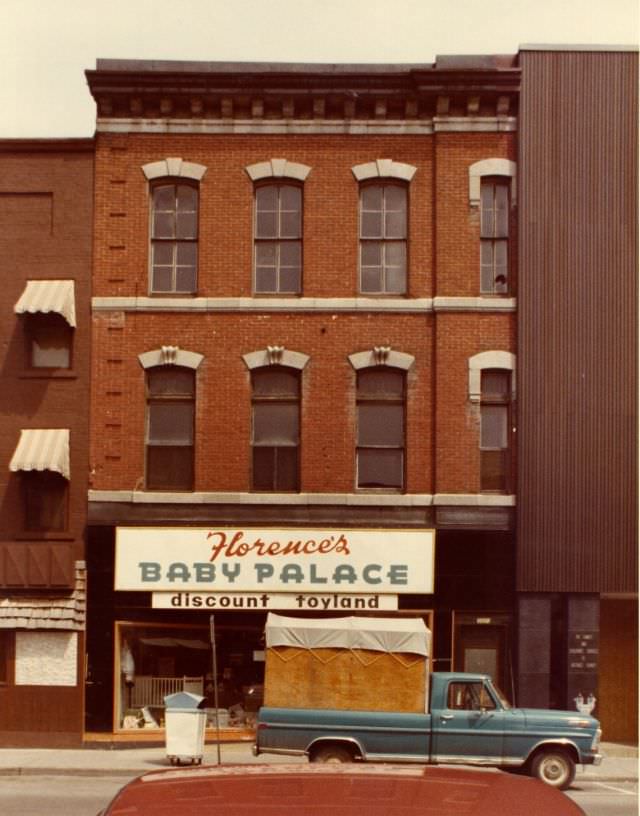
(332, 754)
(554, 767)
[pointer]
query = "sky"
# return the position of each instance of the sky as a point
(46, 45)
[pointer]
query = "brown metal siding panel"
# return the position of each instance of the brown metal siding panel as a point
(577, 306)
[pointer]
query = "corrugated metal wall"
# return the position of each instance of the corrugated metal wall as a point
(577, 307)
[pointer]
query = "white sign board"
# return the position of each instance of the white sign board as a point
(248, 601)
(274, 560)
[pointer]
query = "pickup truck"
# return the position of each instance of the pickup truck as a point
(469, 722)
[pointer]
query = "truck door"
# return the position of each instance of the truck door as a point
(470, 729)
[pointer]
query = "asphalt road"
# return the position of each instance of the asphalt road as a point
(85, 796)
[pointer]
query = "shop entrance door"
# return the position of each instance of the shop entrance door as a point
(481, 646)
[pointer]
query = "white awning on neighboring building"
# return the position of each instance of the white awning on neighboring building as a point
(42, 449)
(49, 296)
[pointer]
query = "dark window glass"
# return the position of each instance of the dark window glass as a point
(278, 239)
(469, 697)
(494, 235)
(46, 501)
(380, 434)
(495, 452)
(174, 238)
(275, 429)
(6, 655)
(49, 341)
(383, 239)
(170, 428)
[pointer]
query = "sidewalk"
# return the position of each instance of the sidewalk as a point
(620, 762)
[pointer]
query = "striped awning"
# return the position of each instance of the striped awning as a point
(42, 449)
(48, 296)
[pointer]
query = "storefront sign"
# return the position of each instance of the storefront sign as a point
(324, 561)
(271, 600)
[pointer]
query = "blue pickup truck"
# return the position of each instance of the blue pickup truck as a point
(468, 721)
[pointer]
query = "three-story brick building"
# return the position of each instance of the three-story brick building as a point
(303, 331)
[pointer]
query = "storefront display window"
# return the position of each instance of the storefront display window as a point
(153, 661)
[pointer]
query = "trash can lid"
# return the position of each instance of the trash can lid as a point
(183, 699)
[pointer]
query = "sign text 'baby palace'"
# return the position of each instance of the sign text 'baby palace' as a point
(286, 560)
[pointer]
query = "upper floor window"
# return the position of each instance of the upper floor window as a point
(275, 439)
(278, 239)
(494, 235)
(495, 421)
(45, 501)
(48, 307)
(170, 428)
(383, 239)
(42, 455)
(174, 237)
(380, 451)
(49, 341)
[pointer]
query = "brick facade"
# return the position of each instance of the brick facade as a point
(443, 261)
(149, 116)
(46, 215)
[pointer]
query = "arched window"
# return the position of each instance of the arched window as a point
(495, 430)
(492, 188)
(170, 427)
(380, 446)
(278, 239)
(174, 237)
(275, 435)
(383, 238)
(494, 235)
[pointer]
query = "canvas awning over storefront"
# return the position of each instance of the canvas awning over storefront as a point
(377, 634)
(42, 449)
(48, 296)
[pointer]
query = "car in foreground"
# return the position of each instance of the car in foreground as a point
(337, 790)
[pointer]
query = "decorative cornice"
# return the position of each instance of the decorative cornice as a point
(141, 91)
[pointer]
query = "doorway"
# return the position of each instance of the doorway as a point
(481, 646)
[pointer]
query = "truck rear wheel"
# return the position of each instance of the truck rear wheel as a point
(331, 754)
(554, 767)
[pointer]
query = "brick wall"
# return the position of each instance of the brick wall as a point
(46, 199)
(443, 260)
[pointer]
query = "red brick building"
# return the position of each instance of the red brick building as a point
(46, 222)
(303, 328)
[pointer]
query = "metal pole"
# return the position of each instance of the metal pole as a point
(215, 683)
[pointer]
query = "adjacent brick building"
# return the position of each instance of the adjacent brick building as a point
(46, 222)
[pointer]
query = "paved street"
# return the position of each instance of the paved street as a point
(80, 782)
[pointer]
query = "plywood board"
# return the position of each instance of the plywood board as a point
(358, 680)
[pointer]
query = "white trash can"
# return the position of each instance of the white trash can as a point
(185, 721)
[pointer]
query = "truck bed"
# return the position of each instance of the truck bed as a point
(377, 735)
